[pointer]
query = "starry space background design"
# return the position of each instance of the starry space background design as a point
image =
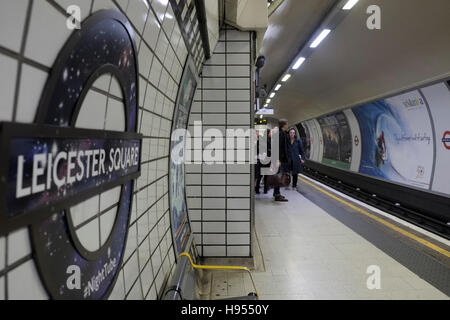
(105, 39)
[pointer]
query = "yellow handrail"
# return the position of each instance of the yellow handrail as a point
(196, 266)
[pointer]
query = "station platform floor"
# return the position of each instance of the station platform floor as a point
(316, 246)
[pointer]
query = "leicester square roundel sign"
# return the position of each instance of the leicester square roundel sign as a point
(51, 166)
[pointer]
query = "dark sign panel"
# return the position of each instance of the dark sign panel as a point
(48, 169)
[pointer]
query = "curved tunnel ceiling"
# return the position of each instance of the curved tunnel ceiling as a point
(354, 64)
(290, 26)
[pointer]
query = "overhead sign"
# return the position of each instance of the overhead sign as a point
(265, 112)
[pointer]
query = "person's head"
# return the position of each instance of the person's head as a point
(283, 124)
(292, 133)
(269, 133)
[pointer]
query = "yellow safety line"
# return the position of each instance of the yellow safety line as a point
(195, 266)
(382, 221)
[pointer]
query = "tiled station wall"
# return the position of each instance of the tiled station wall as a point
(219, 195)
(31, 35)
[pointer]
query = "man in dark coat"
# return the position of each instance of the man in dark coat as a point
(284, 156)
(297, 156)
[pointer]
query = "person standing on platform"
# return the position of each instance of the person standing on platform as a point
(284, 156)
(297, 156)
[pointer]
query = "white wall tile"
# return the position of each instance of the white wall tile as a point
(118, 292)
(214, 251)
(238, 71)
(2, 288)
(238, 83)
(8, 66)
(85, 210)
(45, 21)
(213, 71)
(89, 237)
(238, 107)
(131, 272)
(238, 179)
(214, 239)
(238, 203)
(107, 221)
(238, 95)
(214, 215)
(238, 239)
(2, 253)
(137, 12)
(115, 116)
(12, 16)
(18, 245)
(238, 119)
(213, 203)
(238, 226)
(31, 85)
(238, 215)
(238, 58)
(92, 112)
(24, 283)
(238, 251)
(238, 47)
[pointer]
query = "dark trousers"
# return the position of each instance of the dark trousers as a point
(258, 182)
(294, 179)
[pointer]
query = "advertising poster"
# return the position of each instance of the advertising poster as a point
(438, 98)
(305, 136)
(178, 205)
(337, 140)
(356, 140)
(397, 139)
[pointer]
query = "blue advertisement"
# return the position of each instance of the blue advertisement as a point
(397, 139)
(178, 205)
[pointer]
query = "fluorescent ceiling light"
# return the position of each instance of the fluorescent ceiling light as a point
(350, 4)
(268, 101)
(298, 63)
(278, 87)
(272, 95)
(320, 38)
(286, 78)
(266, 105)
(261, 116)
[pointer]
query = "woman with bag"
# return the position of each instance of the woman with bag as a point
(297, 156)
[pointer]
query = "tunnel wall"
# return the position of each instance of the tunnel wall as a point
(219, 194)
(32, 34)
(403, 138)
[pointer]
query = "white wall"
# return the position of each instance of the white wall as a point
(219, 195)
